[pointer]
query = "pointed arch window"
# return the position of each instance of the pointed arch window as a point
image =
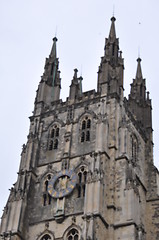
(70, 113)
(46, 198)
(82, 179)
(46, 237)
(65, 163)
(85, 130)
(73, 234)
(53, 138)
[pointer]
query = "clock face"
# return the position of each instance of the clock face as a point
(62, 184)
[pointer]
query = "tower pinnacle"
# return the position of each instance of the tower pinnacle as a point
(139, 102)
(110, 74)
(139, 71)
(53, 50)
(50, 85)
(76, 86)
(112, 33)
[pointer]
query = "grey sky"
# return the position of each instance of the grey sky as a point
(26, 32)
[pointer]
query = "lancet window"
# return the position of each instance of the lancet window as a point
(65, 163)
(81, 185)
(73, 234)
(70, 113)
(85, 129)
(46, 197)
(53, 138)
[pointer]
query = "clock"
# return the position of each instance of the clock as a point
(62, 184)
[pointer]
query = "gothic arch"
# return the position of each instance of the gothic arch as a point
(56, 121)
(50, 171)
(87, 112)
(85, 127)
(81, 164)
(82, 175)
(73, 232)
(53, 137)
(44, 181)
(46, 235)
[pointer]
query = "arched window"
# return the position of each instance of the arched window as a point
(73, 234)
(70, 113)
(85, 130)
(83, 124)
(65, 163)
(46, 197)
(46, 237)
(53, 138)
(134, 148)
(81, 185)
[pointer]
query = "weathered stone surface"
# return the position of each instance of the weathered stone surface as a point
(103, 141)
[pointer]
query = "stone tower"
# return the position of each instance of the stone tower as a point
(87, 171)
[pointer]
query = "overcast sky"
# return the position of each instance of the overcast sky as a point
(26, 31)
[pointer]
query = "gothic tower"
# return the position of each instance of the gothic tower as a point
(87, 171)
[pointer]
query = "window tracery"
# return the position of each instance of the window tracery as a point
(54, 138)
(46, 196)
(82, 179)
(46, 237)
(70, 113)
(85, 129)
(73, 234)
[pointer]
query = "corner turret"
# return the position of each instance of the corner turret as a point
(138, 88)
(50, 84)
(110, 74)
(76, 86)
(139, 102)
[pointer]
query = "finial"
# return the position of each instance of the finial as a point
(113, 19)
(75, 73)
(138, 59)
(55, 39)
(120, 54)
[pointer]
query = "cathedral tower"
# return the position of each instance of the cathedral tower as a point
(87, 171)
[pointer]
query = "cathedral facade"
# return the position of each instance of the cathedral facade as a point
(87, 171)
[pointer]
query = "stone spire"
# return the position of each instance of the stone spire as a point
(112, 44)
(139, 71)
(54, 64)
(138, 87)
(50, 85)
(110, 74)
(139, 103)
(112, 33)
(53, 50)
